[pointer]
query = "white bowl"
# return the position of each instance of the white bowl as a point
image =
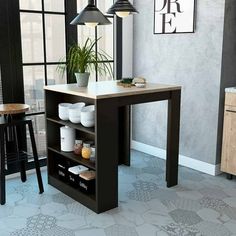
(88, 123)
(88, 112)
(63, 110)
(88, 116)
(75, 112)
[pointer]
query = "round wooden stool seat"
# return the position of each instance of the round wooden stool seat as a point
(13, 108)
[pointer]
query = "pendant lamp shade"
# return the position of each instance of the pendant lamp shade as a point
(90, 16)
(122, 8)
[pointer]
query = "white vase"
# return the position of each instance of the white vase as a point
(82, 79)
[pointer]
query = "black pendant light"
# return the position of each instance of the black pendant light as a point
(90, 16)
(122, 8)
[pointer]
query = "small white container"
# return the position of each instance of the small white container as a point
(67, 139)
(75, 112)
(76, 170)
(63, 111)
(88, 116)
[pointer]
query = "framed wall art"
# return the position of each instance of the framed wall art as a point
(174, 16)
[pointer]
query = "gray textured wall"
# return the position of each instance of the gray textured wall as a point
(190, 60)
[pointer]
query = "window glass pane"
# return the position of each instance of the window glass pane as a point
(31, 5)
(32, 37)
(104, 5)
(81, 4)
(106, 76)
(33, 87)
(54, 76)
(55, 37)
(54, 5)
(84, 33)
(39, 134)
(105, 43)
(92, 77)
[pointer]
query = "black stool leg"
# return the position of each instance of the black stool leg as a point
(2, 169)
(36, 160)
(22, 162)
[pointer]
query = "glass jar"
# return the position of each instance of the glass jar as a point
(86, 151)
(93, 154)
(78, 147)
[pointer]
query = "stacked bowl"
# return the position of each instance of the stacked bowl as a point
(88, 116)
(77, 113)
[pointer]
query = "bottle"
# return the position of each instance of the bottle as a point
(86, 151)
(78, 147)
(93, 154)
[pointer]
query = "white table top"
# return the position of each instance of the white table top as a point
(109, 89)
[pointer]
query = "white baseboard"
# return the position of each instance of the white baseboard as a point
(183, 160)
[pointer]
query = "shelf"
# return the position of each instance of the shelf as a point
(85, 199)
(74, 126)
(73, 157)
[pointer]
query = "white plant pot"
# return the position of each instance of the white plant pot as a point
(82, 79)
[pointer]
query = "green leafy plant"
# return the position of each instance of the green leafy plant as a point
(84, 58)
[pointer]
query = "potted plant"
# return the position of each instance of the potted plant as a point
(83, 59)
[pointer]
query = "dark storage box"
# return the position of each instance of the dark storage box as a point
(87, 182)
(87, 186)
(73, 175)
(62, 168)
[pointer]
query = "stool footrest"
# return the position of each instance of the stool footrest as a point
(17, 157)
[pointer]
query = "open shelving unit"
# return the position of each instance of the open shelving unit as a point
(55, 155)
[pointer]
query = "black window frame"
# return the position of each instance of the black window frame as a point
(11, 63)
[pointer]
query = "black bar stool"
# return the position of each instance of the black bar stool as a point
(9, 135)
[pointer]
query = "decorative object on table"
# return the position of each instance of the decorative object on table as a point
(125, 82)
(73, 174)
(83, 59)
(86, 151)
(90, 16)
(122, 8)
(140, 85)
(87, 181)
(139, 82)
(88, 116)
(174, 16)
(78, 147)
(67, 135)
(75, 112)
(63, 111)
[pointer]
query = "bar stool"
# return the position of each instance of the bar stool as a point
(10, 134)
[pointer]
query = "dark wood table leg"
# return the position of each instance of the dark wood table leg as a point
(106, 154)
(2, 169)
(124, 135)
(172, 157)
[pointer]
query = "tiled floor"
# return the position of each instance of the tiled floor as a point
(199, 205)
